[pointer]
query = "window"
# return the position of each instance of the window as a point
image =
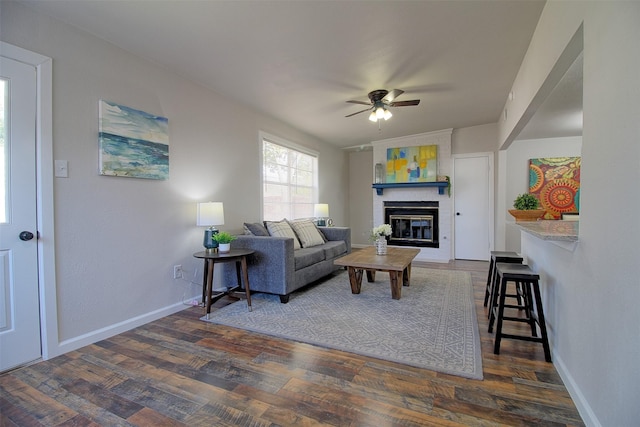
(289, 180)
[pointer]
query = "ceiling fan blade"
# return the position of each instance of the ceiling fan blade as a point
(368, 109)
(359, 102)
(405, 103)
(392, 95)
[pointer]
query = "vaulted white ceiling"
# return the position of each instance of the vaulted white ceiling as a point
(300, 61)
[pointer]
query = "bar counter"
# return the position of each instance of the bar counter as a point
(555, 230)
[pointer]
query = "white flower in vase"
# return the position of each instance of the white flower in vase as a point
(381, 230)
(379, 236)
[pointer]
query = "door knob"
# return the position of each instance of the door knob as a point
(26, 235)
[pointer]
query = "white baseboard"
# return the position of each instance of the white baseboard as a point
(118, 328)
(584, 409)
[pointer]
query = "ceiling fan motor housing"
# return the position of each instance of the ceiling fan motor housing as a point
(377, 95)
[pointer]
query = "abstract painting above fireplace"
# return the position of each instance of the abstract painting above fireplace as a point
(412, 164)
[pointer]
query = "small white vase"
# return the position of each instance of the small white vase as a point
(381, 245)
(224, 247)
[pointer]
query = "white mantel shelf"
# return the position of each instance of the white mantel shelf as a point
(440, 185)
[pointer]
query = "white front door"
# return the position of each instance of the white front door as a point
(472, 207)
(19, 304)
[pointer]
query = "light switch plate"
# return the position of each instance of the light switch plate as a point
(62, 168)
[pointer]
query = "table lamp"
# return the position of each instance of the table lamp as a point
(321, 212)
(209, 215)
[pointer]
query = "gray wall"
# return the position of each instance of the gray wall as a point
(117, 239)
(595, 287)
(361, 176)
(474, 139)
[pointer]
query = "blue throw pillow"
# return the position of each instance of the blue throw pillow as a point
(256, 229)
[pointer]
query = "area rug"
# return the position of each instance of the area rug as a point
(432, 326)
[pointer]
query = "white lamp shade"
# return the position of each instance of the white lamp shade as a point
(321, 210)
(210, 213)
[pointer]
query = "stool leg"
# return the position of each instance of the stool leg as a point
(503, 291)
(541, 321)
(519, 292)
(493, 301)
(528, 304)
(489, 281)
(495, 282)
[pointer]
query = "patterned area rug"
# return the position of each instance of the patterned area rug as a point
(433, 325)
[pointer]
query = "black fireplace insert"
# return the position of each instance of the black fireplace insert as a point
(414, 223)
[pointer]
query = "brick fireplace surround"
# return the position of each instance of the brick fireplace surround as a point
(445, 225)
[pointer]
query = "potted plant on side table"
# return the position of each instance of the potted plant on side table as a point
(224, 240)
(526, 208)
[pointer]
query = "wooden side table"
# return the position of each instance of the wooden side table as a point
(239, 256)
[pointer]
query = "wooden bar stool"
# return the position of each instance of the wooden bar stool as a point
(496, 257)
(528, 286)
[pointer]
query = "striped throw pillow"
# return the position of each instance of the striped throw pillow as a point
(307, 232)
(282, 229)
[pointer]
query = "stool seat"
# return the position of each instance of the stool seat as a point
(498, 256)
(528, 289)
(503, 254)
(517, 271)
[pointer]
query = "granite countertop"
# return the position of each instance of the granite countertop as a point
(565, 231)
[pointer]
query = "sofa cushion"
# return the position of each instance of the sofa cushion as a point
(308, 256)
(282, 229)
(334, 248)
(307, 232)
(255, 229)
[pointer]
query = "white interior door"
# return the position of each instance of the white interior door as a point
(472, 202)
(19, 305)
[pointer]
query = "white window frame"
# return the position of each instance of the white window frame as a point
(264, 136)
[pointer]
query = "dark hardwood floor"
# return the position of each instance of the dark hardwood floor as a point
(180, 371)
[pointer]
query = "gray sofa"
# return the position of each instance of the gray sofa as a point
(277, 268)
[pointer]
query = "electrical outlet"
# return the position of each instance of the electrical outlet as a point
(177, 272)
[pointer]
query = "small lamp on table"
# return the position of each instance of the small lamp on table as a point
(209, 215)
(321, 212)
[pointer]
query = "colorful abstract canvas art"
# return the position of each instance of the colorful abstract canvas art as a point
(412, 164)
(133, 143)
(555, 181)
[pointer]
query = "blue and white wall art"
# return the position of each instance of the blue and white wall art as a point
(133, 143)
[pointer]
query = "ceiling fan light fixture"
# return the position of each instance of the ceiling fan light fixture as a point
(387, 114)
(373, 116)
(380, 113)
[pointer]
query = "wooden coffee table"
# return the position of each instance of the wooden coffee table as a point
(397, 262)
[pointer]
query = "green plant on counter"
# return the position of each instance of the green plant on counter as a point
(223, 237)
(525, 202)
